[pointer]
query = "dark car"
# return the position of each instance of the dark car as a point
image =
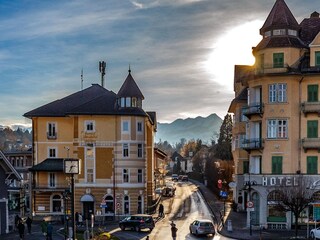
(185, 178)
(137, 222)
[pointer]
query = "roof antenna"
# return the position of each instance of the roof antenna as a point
(82, 79)
(102, 69)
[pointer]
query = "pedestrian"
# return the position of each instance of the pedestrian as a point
(173, 231)
(21, 229)
(80, 219)
(161, 209)
(44, 226)
(49, 231)
(77, 218)
(28, 222)
(16, 221)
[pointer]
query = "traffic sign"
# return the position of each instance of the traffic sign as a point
(249, 204)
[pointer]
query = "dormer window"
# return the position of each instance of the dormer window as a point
(128, 102)
(292, 32)
(134, 102)
(122, 102)
(267, 34)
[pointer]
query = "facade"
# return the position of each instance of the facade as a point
(10, 183)
(276, 116)
(113, 138)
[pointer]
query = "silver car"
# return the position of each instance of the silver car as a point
(202, 227)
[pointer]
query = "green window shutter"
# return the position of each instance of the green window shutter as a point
(245, 166)
(317, 58)
(312, 165)
(276, 165)
(313, 93)
(278, 60)
(312, 129)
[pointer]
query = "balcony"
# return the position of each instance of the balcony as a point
(310, 143)
(46, 188)
(253, 109)
(269, 68)
(52, 135)
(252, 144)
(310, 107)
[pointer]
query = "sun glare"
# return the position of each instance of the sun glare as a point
(233, 48)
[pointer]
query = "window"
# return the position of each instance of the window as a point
(276, 165)
(317, 58)
(52, 180)
(255, 165)
(267, 34)
(134, 102)
(126, 204)
(125, 175)
(312, 165)
(245, 166)
(125, 126)
(140, 176)
(312, 93)
(140, 150)
(278, 60)
(51, 131)
(109, 204)
(56, 203)
(278, 92)
(52, 152)
(279, 32)
(125, 150)
(128, 102)
(277, 129)
(122, 102)
(139, 205)
(139, 127)
(89, 126)
(312, 129)
(292, 32)
(89, 175)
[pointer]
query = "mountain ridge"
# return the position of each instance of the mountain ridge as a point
(204, 128)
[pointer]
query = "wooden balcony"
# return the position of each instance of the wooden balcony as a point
(310, 107)
(310, 143)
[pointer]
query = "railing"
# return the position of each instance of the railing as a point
(270, 68)
(310, 107)
(52, 135)
(253, 108)
(311, 143)
(252, 144)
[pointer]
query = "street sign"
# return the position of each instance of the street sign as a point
(223, 194)
(232, 184)
(249, 204)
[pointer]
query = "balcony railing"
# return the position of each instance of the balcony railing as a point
(310, 143)
(47, 188)
(270, 68)
(253, 109)
(310, 107)
(52, 135)
(252, 144)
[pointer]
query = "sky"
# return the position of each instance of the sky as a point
(181, 52)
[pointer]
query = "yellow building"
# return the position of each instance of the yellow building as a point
(276, 115)
(113, 138)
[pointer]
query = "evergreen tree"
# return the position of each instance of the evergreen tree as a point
(223, 147)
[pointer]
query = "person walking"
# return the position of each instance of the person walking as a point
(49, 231)
(80, 220)
(28, 222)
(173, 231)
(21, 229)
(161, 209)
(44, 226)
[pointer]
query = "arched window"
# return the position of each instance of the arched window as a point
(109, 204)
(139, 204)
(56, 203)
(126, 205)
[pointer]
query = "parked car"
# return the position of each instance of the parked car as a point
(202, 227)
(168, 192)
(315, 233)
(185, 178)
(137, 222)
(180, 177)
(174, 177)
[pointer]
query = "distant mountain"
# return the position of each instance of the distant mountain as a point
(206, 129)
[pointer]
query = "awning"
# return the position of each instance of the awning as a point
(87, 198)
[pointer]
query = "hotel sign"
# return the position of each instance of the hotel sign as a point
(280, 181)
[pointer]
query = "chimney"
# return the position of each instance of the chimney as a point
(314, 15)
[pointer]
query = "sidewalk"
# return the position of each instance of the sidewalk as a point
(238, 221)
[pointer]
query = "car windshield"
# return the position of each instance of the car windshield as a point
(206, 224)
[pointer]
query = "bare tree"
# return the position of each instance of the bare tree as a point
(294, 198)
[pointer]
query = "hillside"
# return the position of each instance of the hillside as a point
(202, 128)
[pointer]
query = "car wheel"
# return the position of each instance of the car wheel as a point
(190, 231)
(137, 228)
(197, 234)
(312, 235)
(122, 227)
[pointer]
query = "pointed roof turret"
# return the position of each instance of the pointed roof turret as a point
(130, 88)
(280, 17)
